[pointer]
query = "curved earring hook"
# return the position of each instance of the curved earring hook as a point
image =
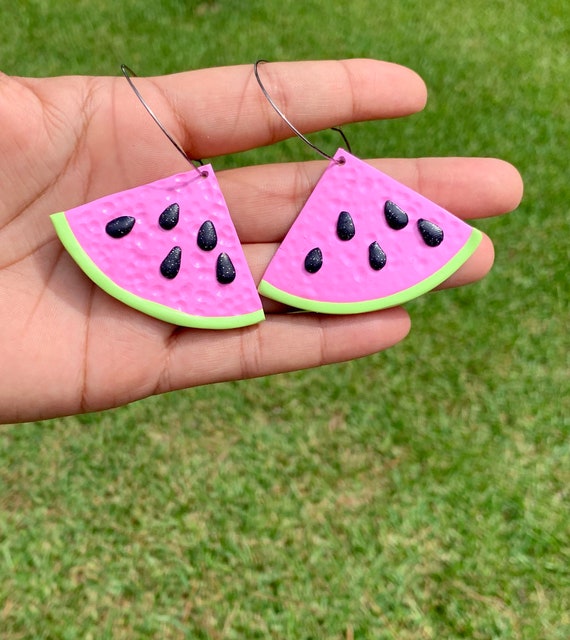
(129, 73)
(291, 125)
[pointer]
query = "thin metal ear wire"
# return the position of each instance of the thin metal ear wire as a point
(291, 125)
(343, 136)
(129, 73)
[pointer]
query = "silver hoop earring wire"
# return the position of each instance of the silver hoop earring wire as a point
(129, 74)
(291, 125)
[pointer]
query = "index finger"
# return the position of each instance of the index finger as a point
(223, 110)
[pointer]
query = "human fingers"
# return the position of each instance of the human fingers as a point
(280, 344)
(223, 110)
(265, 200)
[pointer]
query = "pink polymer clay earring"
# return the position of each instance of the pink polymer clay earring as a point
(363, 241)
(168, 249)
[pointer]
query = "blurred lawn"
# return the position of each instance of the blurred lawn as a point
(418, 493)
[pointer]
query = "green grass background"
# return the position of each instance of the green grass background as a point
(419, 493)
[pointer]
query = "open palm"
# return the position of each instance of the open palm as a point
(66, 346)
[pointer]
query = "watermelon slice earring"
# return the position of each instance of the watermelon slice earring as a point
(363, 241)
(168, 248)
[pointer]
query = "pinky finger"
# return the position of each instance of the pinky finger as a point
(282, 343)
(475, 268)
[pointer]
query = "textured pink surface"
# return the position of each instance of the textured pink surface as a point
(133, 262)
(346, 276)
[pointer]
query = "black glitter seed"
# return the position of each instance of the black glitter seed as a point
(225, 270)
(376, 256)
(207, 238)
(345, 226)
(432, 235)
(168, 219)
(120, 227)
(314, 260)
(170, 266)
(396, 217)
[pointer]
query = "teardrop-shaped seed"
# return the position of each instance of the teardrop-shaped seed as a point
(170, 266)
(314, 260)
(396, 217)
(376, 256)
(345, 226)
(120, 227)
(168, 219)
(225, 270)
(207, 237)
(431, 233)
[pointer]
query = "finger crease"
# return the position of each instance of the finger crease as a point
(251, 352)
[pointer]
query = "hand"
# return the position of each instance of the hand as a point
(66, 346)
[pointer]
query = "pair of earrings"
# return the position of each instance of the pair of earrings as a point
(362, 242)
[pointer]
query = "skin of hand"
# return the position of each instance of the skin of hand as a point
(67, 347)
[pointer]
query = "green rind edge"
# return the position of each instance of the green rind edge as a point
(269, 291)
(154, 309)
